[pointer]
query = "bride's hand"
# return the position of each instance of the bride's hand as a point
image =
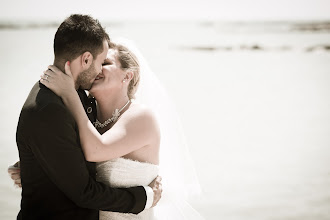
(15, 173)
(62, 84)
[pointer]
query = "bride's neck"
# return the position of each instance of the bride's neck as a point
(106, 105)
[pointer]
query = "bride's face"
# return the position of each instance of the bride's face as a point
(112, 76)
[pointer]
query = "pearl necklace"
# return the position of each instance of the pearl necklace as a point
(115, 116)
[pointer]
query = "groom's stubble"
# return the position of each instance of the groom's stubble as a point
(86, 78)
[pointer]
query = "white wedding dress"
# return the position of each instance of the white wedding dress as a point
(126, 173)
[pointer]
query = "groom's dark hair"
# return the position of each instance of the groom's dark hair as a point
(78, 34)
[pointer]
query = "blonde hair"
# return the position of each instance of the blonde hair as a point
(128, 62)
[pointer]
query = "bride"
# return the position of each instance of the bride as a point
(125, 140)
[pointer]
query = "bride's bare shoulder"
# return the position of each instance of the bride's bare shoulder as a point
(141, 114)
(139, 110)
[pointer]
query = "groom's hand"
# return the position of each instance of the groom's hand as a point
(156, 186)
(15, 173)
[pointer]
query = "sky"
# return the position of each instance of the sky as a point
(167, 10)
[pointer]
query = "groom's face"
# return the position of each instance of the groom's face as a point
(87, 77)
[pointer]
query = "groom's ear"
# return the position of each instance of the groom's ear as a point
(86, 60)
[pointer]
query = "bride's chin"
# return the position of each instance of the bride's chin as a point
(93, 89)
(97, 90)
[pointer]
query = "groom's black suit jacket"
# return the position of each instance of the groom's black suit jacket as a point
(57, 182)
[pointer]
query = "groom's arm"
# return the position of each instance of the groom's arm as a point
(55, 144)
(152, 198)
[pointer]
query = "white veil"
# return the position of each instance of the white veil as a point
(179, 178)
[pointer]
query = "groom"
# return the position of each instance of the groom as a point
(57, 181)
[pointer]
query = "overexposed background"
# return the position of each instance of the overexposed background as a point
(169, 10)
(250, 79)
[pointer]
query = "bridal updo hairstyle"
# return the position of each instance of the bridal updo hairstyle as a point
(128, 62)
(78, 34)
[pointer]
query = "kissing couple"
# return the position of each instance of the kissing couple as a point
(96, 154)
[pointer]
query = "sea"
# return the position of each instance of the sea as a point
(253, 99)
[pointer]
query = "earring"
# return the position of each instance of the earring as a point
(124, 81)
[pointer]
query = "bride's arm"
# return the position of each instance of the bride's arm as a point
(133, 131)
